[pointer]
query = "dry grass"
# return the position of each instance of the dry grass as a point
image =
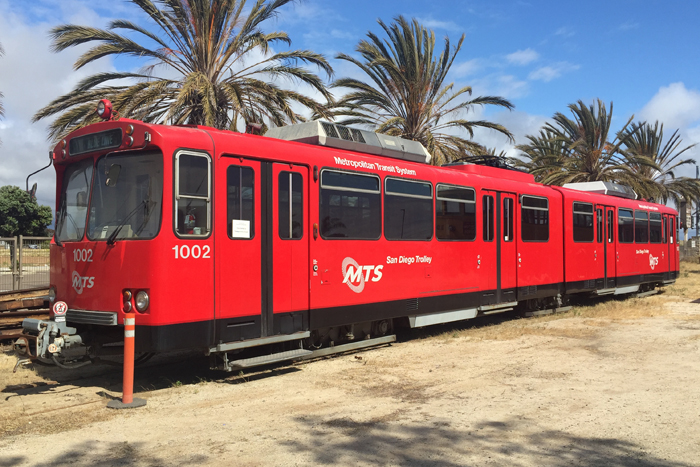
(515, 329)
(599, 313)
(621, 309)
(688, 284)
(29, 257)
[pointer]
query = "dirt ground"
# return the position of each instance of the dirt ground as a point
(29, 257)
(614, 383)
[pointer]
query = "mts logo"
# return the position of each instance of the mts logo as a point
(355, 275)
(80, 282)
(653, 261)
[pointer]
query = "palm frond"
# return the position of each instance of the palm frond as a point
(656, 160)
(405, 93)
(208, 45)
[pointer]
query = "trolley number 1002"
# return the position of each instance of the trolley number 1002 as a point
(194, 251)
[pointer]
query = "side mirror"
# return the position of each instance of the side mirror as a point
(81, 199)
(113, 174)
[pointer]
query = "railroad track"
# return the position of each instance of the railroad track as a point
(19, 304)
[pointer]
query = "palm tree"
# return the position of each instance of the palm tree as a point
(656, 163)
(587, 154)
(207, 49)
(406, 95)
(544, 155)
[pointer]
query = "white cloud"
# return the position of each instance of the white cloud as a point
(466, 68)
(678, 108)
(691, 136)
(507, 86)
(308, 11)
(318, 39)
(30, 77)
(565, 32)
(522, 57)
(321, 25)
(550, 72)
(694, 134)
(674, 105)
(518, 123)
(338, 34)
(628, 25)
(510, 87)
(431, 23)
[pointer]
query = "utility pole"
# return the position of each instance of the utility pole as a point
(697, 203)
(697, 211)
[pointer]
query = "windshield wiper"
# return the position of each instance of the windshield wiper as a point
(61, 217)
(113, 236)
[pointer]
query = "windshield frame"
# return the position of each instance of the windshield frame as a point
(117, 223)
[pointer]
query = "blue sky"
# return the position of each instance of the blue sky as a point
(641, 55)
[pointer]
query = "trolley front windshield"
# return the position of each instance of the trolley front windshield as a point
(126, 197)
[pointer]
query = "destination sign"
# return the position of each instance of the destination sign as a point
(95, 142)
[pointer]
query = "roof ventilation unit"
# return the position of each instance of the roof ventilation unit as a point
(604, 188)
(343, 137)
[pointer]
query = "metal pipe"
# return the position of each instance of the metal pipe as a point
(43, 168)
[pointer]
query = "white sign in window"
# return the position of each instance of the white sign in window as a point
(240, 228)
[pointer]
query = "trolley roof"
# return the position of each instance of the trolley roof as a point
(604, 188)
(338, 136)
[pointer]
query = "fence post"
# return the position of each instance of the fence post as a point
(13, 262)
(19, 267)
(128, 400)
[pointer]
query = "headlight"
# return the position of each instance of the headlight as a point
(141, 300)
(52, 294)
(104, 109)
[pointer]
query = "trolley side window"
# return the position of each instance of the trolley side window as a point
(350, 206)
(625, 226)
(583, 222)
(611, 229)
(508, 215)
(534, 219)
(455, 213)
(408, 209)
(671, 228)
(655, 227)
(488, 215)
(290, 207)
(599, 224)
(641, 227)
(664, 237)
(240, 202)
(192, 194)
